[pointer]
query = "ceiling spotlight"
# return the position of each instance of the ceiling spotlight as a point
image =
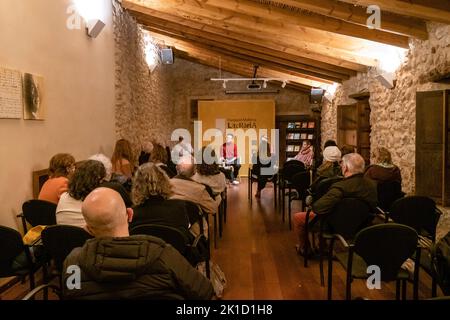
(224, 85)
(283, 84)
(265, 84)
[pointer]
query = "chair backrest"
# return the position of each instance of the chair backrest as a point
(292, 167)
(171, 235)
(11, 246)
(324, 185)
(60, 240)
(348, 217)
(39, 212)
(388, 192)
(418, 212)
(386, 246)
(301, 182)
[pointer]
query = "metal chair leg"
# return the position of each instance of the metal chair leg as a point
(215, 230)
(404, 283)
(397, 290)
(330, 270)
(321, 246)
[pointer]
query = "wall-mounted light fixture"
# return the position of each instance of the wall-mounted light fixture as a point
(92, 12)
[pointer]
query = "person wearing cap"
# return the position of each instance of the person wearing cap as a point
(330, 166)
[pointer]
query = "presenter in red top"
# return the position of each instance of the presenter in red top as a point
(230, 157)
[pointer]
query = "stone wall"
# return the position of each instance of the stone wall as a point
(151, 105)
(192, 81)
(393, 117)
(143, 105)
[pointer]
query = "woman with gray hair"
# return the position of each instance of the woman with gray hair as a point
(150, 194)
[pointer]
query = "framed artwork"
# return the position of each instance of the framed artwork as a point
(33, 106)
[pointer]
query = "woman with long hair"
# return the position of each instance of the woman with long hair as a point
(122, 159)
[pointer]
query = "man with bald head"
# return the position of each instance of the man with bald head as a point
(115, 265)
(354, 185)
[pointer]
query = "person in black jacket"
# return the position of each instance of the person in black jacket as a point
(115, 265)
(151, 192)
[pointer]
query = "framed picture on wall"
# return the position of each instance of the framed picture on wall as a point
(33, 104)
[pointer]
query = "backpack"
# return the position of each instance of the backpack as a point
(441, 263)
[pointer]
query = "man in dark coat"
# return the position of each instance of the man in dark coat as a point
(354, 185)
(115, 265)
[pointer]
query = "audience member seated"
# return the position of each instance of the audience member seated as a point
(346, 149)
(384, 170)
(306, 154)
(151, 193)
(147, 148)
(181, 149)
(330, 167)
(88, 176)
(115, 265)
(122, 159)
(106, 163)
(184, 188)
(329, 143)
(159, 158)
(354, 185)
(263, 159)
(62, 165)
(230, 157)
(208, 172)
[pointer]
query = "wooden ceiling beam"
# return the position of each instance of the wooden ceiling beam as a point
(194, 34)
(221, 59)
(292, 85)
(310, 20)
(342, 56)
(255, 58)
(432, 10)
(245, 11)
(225, 57)
(391, 22)
(261, 56)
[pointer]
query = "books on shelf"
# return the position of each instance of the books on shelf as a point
(296, 148)
(311, 125)
(310, 136)
(291, 125)
(304, 125)
(290, 148)
(303, 136)
(298, 125)
(290, 136)
(296, 136)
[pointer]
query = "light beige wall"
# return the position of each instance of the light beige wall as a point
(79, 93)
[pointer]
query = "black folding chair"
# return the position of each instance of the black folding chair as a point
(38, 212)
(322, 188)
(348, 217)
(385, 247)
(59, 241)
(300, 182)
(16, 258)
(194, 251)
(290, 168)
(253, 176)
(421, 214)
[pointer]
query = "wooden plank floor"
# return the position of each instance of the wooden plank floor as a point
(257, 255)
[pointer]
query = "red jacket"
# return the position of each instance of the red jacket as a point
(224, 151)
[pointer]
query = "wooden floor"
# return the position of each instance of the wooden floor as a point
(257, 255)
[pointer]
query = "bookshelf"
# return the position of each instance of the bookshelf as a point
(295, 129)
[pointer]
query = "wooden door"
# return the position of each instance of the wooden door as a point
(429, 144)
(363, 135)
(347, 125)
(446, 150)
